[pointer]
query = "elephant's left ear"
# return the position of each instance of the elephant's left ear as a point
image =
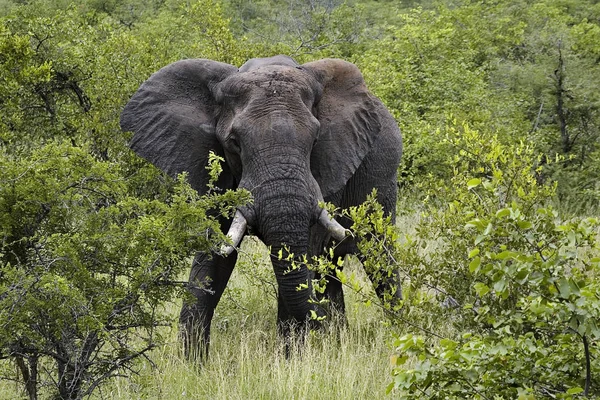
(352, 120)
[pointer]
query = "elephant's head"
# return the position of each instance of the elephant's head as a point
(291, 134)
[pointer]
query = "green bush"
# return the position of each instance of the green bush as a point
(522, 284)
(93, 240)
(500, 293)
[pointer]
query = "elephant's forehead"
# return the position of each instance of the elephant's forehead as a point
(268, 78)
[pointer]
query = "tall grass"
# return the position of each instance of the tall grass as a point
(247, 360)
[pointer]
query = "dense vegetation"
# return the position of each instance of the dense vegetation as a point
(499, 104)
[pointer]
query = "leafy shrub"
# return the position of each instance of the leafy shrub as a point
(523, 281)
(85, 268)
(501, 294)
(93, 239)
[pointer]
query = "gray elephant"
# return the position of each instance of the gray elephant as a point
(294, 136)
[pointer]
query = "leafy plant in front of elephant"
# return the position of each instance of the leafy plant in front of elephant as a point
(379, 250)
(294, 136)
(85, 267)
(525, 282)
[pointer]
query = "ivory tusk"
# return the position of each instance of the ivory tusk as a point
(338, 232)
(235, 233)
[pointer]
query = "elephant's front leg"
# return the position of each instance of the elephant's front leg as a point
(208, 278)
(386, 280)
(295, 304)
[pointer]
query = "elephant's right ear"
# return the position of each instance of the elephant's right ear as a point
(173, 117)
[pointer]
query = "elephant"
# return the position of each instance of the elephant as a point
(295, 136)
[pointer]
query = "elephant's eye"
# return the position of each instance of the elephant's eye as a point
(233, 142)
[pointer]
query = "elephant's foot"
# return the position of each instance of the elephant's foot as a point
(293, 334)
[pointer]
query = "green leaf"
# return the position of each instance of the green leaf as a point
(575, 390)
(474, 264)
(504, 212)
(341, 276)
(504, 255)
(522, 275)
(524, 224)
(500, 285)
(390, 387)
(481, 289)
(473, 183)
(564, 288)
(479, 239)
(448, 344)
(476, 223)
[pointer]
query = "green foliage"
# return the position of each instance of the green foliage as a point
(86, 267)
(315, 28)
(498, 103)
(93, 240)
(521, 284)
(552, 74)
(501, 293)
(521, 70)
(374, 232)
(535, 310)
(433, 66)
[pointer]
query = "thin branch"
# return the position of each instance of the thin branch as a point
(537, 120)
(116, 366)
(395, 314)
(588, 367)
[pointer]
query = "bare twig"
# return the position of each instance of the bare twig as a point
(537, 120)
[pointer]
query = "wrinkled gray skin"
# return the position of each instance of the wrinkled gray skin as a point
(293, 135)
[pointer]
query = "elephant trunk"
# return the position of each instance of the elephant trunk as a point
(284, 208)
(284, 218)
(295, 289)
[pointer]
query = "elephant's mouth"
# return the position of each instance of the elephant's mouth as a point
(239, 225)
